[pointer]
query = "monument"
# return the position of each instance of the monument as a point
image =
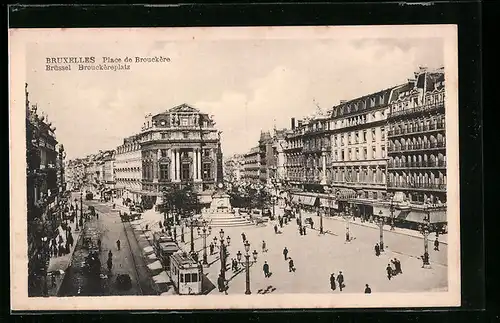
(220, 213)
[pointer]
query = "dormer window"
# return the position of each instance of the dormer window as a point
(163, 123)
(372, 102)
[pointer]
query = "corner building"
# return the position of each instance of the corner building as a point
(417, 140)
(178, 147)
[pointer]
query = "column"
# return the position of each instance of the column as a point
(199, 165)
(155, 166)
(178, 165)
(172, 164)
(323, 157)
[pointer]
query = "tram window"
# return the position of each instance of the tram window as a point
(188, 278)
(182, 278)
(194, 277)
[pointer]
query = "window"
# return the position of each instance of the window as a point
(349, 155)
(357, 153)
(336, 155)
(382, 132)
(373, 134)
(357, 137)
(342, 156)
(365, 153)
(185, 135)
(373, 116)
(185, 172)
(335, 140)
(164, 171)
(182, 277)
(383, 151)
(165, 135)
(342, 139)
(364, 135)
(194, 277)
(206, 171)
(349, 138)
(164, 153)
(206, 153)
(374, 152)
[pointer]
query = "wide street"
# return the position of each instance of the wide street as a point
(127, 260)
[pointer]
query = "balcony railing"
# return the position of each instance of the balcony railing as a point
(418, 146)
(417, 129)
(438, 164)
(429, 186)
(419, 109)
(316, 148)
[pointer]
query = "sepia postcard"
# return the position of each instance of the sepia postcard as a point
(234, 168)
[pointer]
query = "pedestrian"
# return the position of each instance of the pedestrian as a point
(300, 231)
(281, 222)
(347, 238)
(264, 249)
(368, 290)
(389, 271)
(161, 225)
(211, 248)
(66, 249)
(340, 280)
(118, 244)
(71, 240)
(304, 229)
(220, 283)
(97, 215)
(110, 264)
(59, 250)
(265, 268)
(312, 224)
(333, 285)
(397, 266)
(275, 229)
(110, 255)
(436, 244)
(99, 244)
(291, 266)
(60, 239)
(285, 253)
(243, 237)
(377, 250)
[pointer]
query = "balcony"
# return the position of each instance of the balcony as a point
(417, 110)
(418, 186)
(418, 147)
(316, 149)
(417, 165)
(417, 130)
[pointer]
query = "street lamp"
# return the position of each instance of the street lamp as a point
(425, 229)
(380, 222)
(346, 216)
(222, 255)
(205, 231)
(191, 225)
(391, 196)
(247, 263)
(182, 231)
(81, 210)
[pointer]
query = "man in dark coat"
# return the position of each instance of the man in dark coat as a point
(340, 280)
(436, 244)
(275, 229)
(397, 266)
(243, 237)
(368, 290)
(220, 283)
(377, 250)
(285, 253)
(304, 229)
(389, 271)
(333, 285)
(265, 268)
(291, 266)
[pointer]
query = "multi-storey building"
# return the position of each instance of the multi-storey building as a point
(417, 147)
(267, 162)
(359, 150)
(108, 173)
(128, 169)
(43, 186)
(179, 146)
(233, 168)
(252, 166)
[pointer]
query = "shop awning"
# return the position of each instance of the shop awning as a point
(330, 203)
(146, 193)
(346, 194)
(309, 200)
(296, 198)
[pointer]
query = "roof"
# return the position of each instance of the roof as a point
(183, 108)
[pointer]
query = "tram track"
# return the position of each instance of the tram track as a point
(137, 276)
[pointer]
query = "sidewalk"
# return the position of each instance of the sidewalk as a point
(58, 265)
(443, 238)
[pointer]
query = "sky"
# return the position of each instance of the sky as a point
(247, 85)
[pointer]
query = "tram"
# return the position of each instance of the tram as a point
(164, 246)
(186, 274)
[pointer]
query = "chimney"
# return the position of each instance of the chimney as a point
(422, 69)
(412, 82)
(293, 123)
(343, 101)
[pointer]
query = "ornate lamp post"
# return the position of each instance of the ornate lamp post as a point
(247, 263)
(380, 222)
(81, 209)
(182, 231)
(425, 229)
(191, 227)
(222, 255)
(391, 196)
(204, 231)
(299, 211)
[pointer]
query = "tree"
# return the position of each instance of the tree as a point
(179, 201)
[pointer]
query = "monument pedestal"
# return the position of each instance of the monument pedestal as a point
(221, 214)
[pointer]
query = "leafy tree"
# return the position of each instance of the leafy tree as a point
(179, 202)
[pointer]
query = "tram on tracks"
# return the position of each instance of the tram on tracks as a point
(186, 274)
(164, 246)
